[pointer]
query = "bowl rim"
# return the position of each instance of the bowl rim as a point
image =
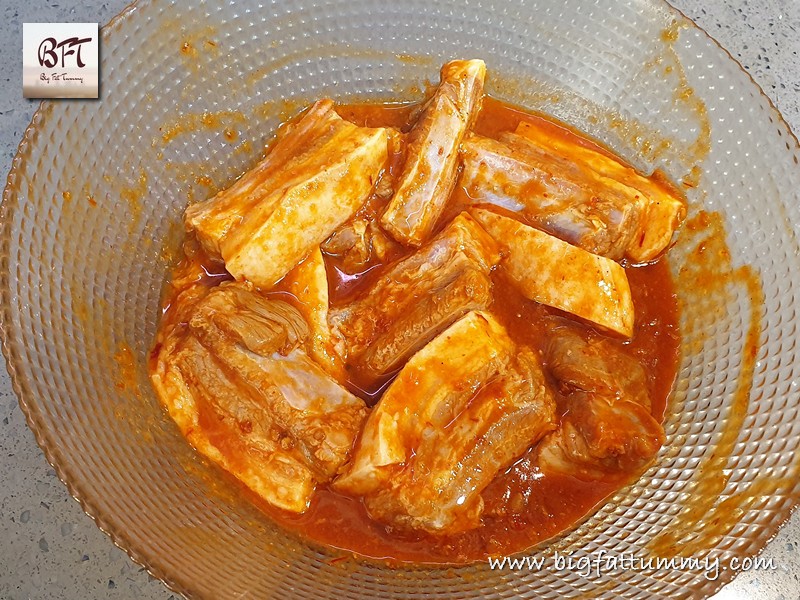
(9, 336)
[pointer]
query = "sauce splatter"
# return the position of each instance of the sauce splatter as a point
(644, 141)
(283, 109)
(133, 195)
(706, 285)
(126, 376)
(231, 135)
(205, 181)
(195, 43)
(189, 122)
(684, 99)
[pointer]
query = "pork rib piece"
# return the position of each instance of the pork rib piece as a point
(417, 298)
(239, 384)
(608, 431)
(553, 272)
(316, 176)
(662, 211)
(591, 363)
(572, 192)
(461, 410)
(308, 283)
(429, 173)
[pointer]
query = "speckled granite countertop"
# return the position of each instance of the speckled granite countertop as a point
(50, 549)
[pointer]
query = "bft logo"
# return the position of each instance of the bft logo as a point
(60, 60)
(48, 57)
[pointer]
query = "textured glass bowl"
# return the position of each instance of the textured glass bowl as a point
(91, 219)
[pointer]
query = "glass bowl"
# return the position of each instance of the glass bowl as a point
(190, 94)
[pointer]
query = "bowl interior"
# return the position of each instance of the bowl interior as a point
(190, 95)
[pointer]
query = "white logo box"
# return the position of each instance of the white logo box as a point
(60, 60)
